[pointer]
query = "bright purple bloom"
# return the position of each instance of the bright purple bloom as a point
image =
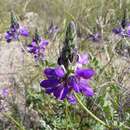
(62, 85)
(85, 73)
(23, 31)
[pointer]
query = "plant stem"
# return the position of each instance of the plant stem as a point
(90, 113)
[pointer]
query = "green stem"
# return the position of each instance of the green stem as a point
(90, 113)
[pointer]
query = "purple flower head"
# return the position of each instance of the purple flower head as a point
(62, 85)
(85, 73)
(15, 31)
(12, 33)
(119, 31)
(37, 48)
(96, 37)
(66, 79)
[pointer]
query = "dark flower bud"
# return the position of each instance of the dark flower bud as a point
(67, 53)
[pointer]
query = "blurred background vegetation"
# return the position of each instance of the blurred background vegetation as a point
(85, 12)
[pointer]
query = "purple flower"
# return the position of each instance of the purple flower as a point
(62, 85)
(43, 43)
(15, 31)
(8, 36)
(123, 32)
(120, 31)
(38, 49)
(85, 73)
(96, 37)
(23, 31)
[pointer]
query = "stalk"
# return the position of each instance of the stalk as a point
(90, 113)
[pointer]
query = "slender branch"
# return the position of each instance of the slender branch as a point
(90, 113)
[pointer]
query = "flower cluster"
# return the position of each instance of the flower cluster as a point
(15, 31)
(63, 83)
(69, 76)
(37, 48)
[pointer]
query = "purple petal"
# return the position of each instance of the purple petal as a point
(49, 90)
(24, 31)
(88, 91)
(85, 73)
(61, 92)
(85, 88)
(49, 83)
(31, 48)
(54, 72)
(43, 43)
(49, 72)
(73, 83)
(59, 72)
(8, 36)
(83, 58)
(34, 43)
